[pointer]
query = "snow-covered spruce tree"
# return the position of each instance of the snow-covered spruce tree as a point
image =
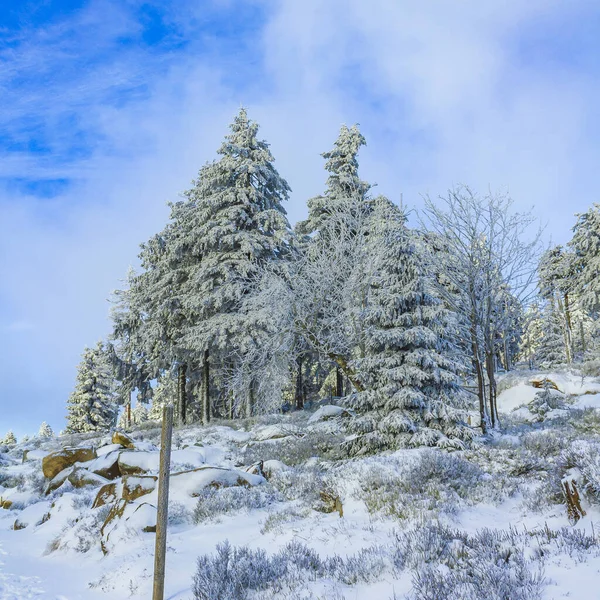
(586, 246)
(92, 405)
(343, 181)
(9, 439)
(45, 431)
(234, 220)
(164, 393)
(546, 400)
(532, 335)
(551, 351)
(139, 414)
(412, 394)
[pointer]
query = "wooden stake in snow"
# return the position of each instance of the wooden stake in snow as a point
(163, 504)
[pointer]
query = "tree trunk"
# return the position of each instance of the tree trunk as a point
(129, 413)
(299, 385)
(250, 401)
(206, 389)
(342, 363)
(583, 349)
(339, 383)
(567, 330)
(476, 358)
(489, 360)
(181, 392)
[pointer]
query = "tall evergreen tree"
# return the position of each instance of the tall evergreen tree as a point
(551, 351)
(9, 438)
(586, 246)
(183, 310)
(412, 395)
(45, 431)
(234, 220)
(92, 405)
(343, 182)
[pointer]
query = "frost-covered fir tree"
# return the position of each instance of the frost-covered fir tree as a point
(183, 310)
(139, 414)
(235, 222)
(164, 393)
(343, 181)
(586, 246)
(412, 394)
(551, 351)
(9, 439)
(45, 431)
(546, 400)
(532, 335)
(92, 405)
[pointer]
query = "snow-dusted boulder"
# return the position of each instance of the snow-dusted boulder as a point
(124, 520)
(190, 483)
(273, 466)
(106, 465)
(102, 451)
(81, 477)
(33, 455)
(107, 494)
(277, 431)
(34, 514)
(329, 411)
(123, 439)
(55, 462)
(138, 463)
(135, 486)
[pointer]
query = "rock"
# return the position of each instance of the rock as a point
(274, 432)
(106, 465)
(273, 466)
(138, 463)
(123, 439)
(144, 446)
(135, 486)
(54, 463)
(5, 504)
(80, 477)
(108, 449)
(108, 493)
(191, 483)
(256, 469)
(329, 411)
(540, 383)
(33, 455)
(123, 519)
(58, 480)
(330, 502)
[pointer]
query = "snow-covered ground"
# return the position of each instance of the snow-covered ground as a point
(417, 523)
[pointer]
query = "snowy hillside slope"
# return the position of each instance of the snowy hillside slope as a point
(486, 522)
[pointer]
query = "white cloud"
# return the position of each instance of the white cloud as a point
(441, 96)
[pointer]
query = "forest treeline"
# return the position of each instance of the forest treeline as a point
(234, 313)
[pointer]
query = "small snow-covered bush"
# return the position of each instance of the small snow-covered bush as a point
(452, 565)
(582, 460)
(235, 573)
(294, 450)
(433, 482)
(276, 521)
(215, 502)
(178, 514)
(232, 572)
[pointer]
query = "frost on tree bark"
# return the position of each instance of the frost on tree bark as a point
(299, 394)
(206, 389)
(181, 392)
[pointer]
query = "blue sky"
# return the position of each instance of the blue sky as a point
(109, 108)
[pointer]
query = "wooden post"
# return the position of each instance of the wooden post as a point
(163, 504)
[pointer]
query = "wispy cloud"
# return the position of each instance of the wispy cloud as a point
(109, 111)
